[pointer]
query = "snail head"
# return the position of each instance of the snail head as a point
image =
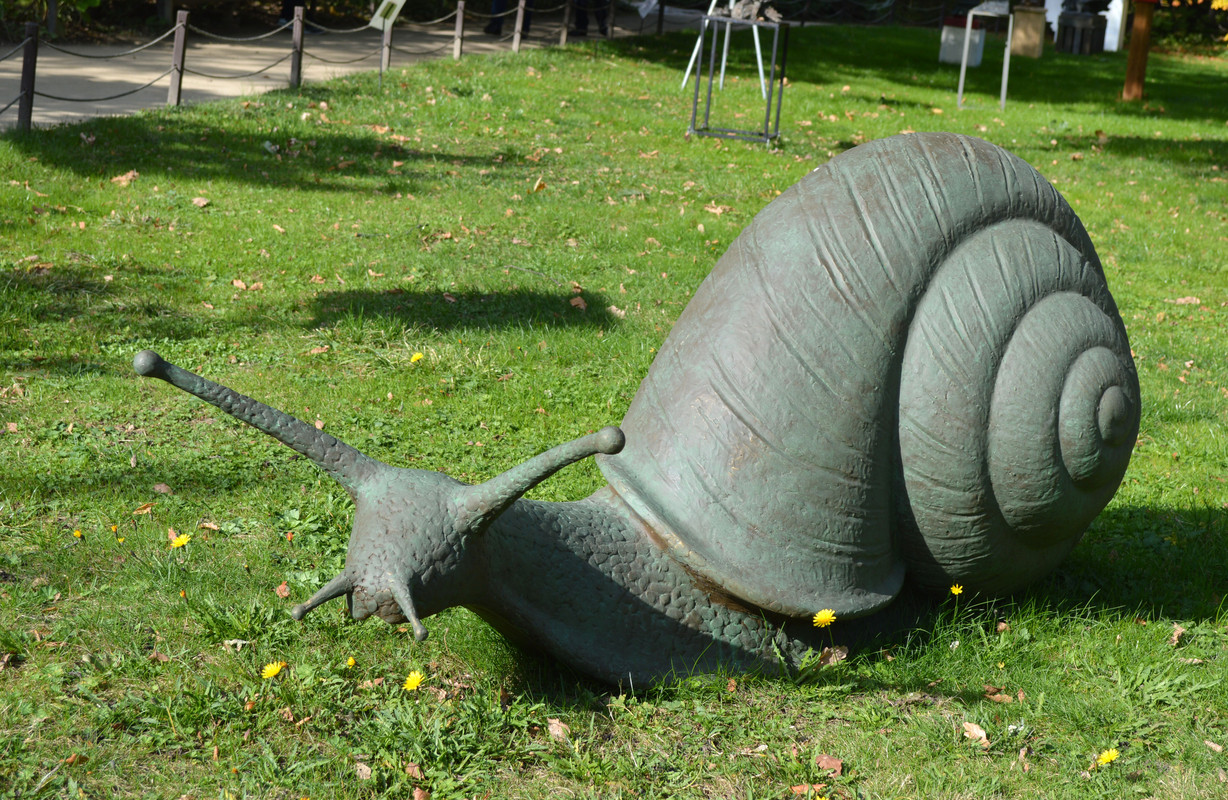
(410, 526)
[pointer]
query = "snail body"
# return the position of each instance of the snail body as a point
(908, 364)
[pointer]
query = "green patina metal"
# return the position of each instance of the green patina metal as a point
(909, 364)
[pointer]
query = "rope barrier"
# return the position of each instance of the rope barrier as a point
(10, 105)
(137, 49)
(326, 29)
(15, 50)
(336, 61)
(441, 48)
(237, 77)
(449, 16)
(256, 38)
(101, 99)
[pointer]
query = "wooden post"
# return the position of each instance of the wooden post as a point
(519, 26)
(25, 106)
(177, 57)
(296, 53)
(566, 22)
(1140, 43)
(459, 37)
(385, 58)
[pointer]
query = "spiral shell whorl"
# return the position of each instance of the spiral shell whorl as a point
(1018, 409)
(835, 405)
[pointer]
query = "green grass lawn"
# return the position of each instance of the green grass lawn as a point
(303, 246)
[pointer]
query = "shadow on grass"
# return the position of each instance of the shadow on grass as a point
(518, 308)
(1134, 562)
(263, 143)
(100, 312)
(825, 54)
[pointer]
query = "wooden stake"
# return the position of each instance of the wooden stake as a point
(1140, 43)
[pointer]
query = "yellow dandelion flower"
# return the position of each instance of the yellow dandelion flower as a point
(413, 681)
(824, 618)
(114, 528)
(120, 539)
(957, 590)
(181, 540)
(349, 662)
(1107, 757)
(415, 358)
(272, 669)
(78, 533)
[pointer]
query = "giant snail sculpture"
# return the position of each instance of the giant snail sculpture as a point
(909, 363)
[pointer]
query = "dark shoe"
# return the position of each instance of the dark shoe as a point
(493, 29)
(604, 32)
(576, 32)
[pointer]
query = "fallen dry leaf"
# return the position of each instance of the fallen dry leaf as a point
(156, 656)
(807, 788)
(279, 229)
(283, 591)
(538, 185)
(618, 312)
(209, 526)
(579, 303)
(238, 284)
(11, 427)
(76, 758)
(315, 351)
(824, 761)
(732, 685)
(200, 202)
(1178, 631)
(371, 684)
(833, 655)
(413, 770)
(558, 729)
(1219, 748)
(421, 794)
(127, 178)
(162, 488)
(286, 714)
(362, 771)
(1187, 301)
(448, 296)
(319, 423)
(976, 733)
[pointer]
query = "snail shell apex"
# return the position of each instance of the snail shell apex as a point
(909, 362)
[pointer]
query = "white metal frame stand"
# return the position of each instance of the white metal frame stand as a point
(725, 54)
(990, 8)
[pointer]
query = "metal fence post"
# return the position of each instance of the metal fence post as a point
(177, 57)
(385, 56)
(460, 30)
(660, 18)
(25, 107)
(519, 26)
(53, 11)
(296, 53)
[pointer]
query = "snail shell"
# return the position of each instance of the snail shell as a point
(909, 362)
